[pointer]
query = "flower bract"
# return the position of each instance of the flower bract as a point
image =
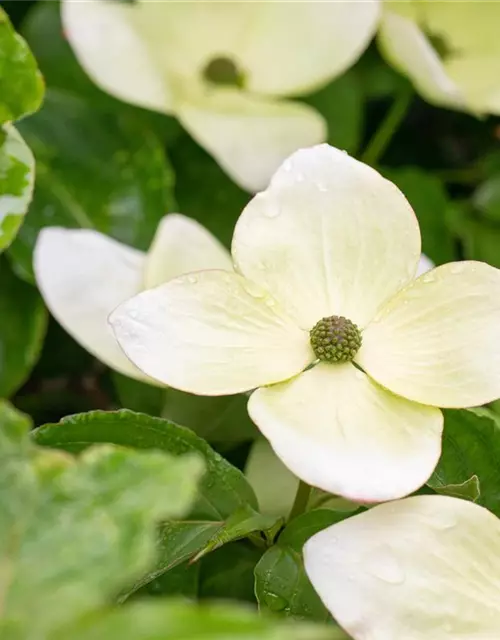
(329, 237)
(224, 68)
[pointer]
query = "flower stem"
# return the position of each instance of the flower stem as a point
(390, 124)
(301, 500)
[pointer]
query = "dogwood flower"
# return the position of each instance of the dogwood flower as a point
(449, 50)
(420, 568)
(224, 68)
(83, 275)
(325, 261)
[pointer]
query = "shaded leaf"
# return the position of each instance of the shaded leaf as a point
(471, 447)
(224, 488)
(281, 583)
(73, 531)
(94, 170)
(204, 191)
(17, 175)
(21, 84)
(468, 490)
(23, 322)
(228, 572)
(341, 104)
(430, 202)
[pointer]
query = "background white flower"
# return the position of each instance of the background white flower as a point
(329, 237)
(427, 567)
(163, 56)
(83, 275)
(449, 50)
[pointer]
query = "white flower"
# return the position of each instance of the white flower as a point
(423, 568)
(83, 275)
(161, 55)
(449, 50)
(329, 238)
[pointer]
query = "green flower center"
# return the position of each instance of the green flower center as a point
(335, 339)
(223, 71)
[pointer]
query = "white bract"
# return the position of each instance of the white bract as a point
(83, 275)
(223, 68)
(449, 50)
(330, 237)
(427, 567)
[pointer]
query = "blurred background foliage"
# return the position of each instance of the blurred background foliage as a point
(107, 165)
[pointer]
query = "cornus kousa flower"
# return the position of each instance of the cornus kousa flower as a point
(224, 68)
(349, 354)
(83, 275)
(420, 568)
(449, 50)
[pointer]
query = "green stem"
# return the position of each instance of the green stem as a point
(382, 137)
(468, 175)
(301, 500)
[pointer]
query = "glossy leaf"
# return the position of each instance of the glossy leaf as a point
(17, 174)
(281, 584)
(72, 532)
(175, 620)
(471, 447)
(23, 322)
(224, 488)
(468, 490)
(341, 104)
(94, 170)
(21, 84)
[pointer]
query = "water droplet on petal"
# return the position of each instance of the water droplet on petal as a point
(429, 277)
(322, 187)
(272, 211)
(384, 565)
(300, 177)
(192, 279)
(457, 267)
(254, 290)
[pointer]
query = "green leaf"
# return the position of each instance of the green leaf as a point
(430, 202)
(227, 573)
(281, 583)
(72, 532)
(486, 198)
(23, 322)
(182, 580)
(17, 175)
(186, 621)
(180, 541)
(219, 419)
(241, 524)
(224, 488)
(94, 170)
(341, 104)
(282, 586)
(21, 84)
(468, 490)
(471, 447)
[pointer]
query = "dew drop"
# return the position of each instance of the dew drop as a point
(287, 165)
(192, 279)
(457, 267)
(275, 602)
(272, 211)
(428, 278)
(254, 290)
(384, 565)
(300, 177)
(270, 302)
(322, 187)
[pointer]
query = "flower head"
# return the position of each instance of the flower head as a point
(449, 50)
(83, 275)
(329, 238)
(424, 567)
(224, 68)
